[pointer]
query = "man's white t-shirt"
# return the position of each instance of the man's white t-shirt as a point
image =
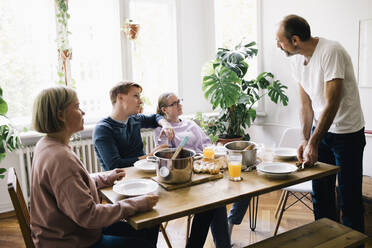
(330, 61)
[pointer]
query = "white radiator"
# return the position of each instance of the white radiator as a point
(84, 149)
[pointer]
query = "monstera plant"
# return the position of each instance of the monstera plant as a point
(225, 86)
(9, 140)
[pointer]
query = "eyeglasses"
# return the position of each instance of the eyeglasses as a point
(178, 102)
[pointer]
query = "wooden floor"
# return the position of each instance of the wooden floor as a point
(297, 215)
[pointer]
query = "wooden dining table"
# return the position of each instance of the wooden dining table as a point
(212, 194)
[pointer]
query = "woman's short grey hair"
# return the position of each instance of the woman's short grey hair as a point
(47, 107)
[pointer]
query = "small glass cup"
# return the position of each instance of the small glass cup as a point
(234, 164)
(268, 154)
(208, 153)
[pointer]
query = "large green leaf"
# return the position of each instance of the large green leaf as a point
(3, 106)
(276, 92)
(250, 116)
(222, 88)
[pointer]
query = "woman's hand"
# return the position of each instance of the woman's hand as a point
(167, 129)
(152, 200)
(144, 202)
(115, 175)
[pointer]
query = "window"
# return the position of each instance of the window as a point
(102, 55)
(28, 61)
(29, 52)
(236, 21)
(96, 54)
(154, 52)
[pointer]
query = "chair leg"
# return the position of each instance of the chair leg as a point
(189, 217)
(165, 225)
(282, 207)
(279, 203)
(162, 229)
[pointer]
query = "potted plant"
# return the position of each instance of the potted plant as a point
(9, 140)
(225, 86)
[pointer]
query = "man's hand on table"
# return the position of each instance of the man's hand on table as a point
(307, 153)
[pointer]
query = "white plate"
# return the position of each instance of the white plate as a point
(145, 165)
(276, 168)
(135, 187)
(285, 152)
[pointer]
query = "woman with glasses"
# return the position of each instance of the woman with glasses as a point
(170, 106)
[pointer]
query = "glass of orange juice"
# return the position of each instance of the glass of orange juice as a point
(234, 163)
(208, 152)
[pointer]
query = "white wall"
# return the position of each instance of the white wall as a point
(331, 19)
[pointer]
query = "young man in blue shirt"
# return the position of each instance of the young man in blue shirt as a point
(117, 138)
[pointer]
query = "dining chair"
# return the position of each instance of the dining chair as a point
(20, 207)
(292, 138)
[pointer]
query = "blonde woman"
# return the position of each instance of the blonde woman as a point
(65, 207)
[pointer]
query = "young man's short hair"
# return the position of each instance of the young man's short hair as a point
(122, 88)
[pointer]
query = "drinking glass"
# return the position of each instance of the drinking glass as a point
(268, 154)
(208, 152)
(234, 164)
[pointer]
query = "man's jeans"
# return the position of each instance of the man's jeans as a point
(346, 151)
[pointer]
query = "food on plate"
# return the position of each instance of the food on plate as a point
(209, 166)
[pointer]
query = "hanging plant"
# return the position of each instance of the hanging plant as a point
(64, 49)
(131, 29)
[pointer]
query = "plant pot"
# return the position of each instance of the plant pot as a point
(223, 141)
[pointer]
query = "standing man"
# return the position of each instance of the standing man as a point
(331, 118)
(117, 138)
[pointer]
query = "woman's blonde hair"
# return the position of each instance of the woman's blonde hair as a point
(47, 107)
(162, 102)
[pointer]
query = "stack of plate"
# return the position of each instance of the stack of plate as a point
(285, 153)
(145, 165)
(276, 169)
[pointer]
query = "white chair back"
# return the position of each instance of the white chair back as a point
(291, 137)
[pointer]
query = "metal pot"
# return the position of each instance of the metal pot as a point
(249, 157)
(174, 171)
